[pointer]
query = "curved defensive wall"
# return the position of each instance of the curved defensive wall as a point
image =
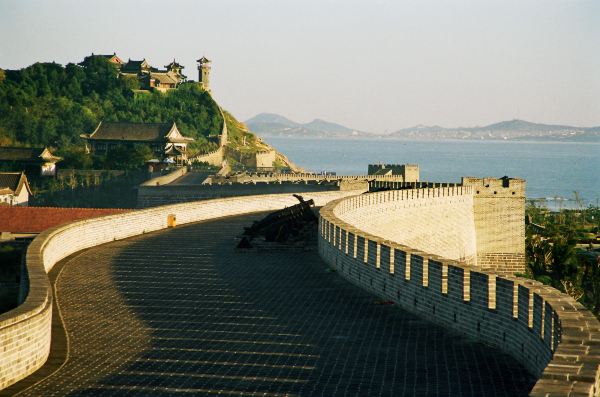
(404, 247)
(25, 331)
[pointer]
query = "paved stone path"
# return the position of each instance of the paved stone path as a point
(180, 312)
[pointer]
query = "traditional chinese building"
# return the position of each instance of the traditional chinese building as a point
(133, 67)
(14, 188)
(35, 161)
(114, 59)
(164, 139)
(153, 78)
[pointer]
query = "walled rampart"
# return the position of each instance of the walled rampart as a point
(152, 196)
(167, 178)
(25, 330)
(440, 219)
(308, 177)
(552, 335)
(410, 172)
(265, 158)
(213, 158)
(217, 156)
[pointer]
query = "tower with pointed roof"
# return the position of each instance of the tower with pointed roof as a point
(175, 68)
(204, 72)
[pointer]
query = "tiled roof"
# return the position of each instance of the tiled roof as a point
(134, 66)
(10, 153)
(119, 131)
(111, 57)
(164, 78)
(13, 183)
(203, 60)
(16, 219)
(174, 64)
(10, 180)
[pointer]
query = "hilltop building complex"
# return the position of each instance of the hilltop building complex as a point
(152, 78)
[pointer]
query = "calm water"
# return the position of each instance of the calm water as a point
(551, 169)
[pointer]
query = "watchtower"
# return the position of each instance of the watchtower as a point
(410, 172)
(499, 214)
(204, 72)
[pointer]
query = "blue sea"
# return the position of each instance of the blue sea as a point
(553, 170)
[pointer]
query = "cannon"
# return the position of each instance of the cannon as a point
(283, 225)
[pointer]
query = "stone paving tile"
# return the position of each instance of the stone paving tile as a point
(181, 312)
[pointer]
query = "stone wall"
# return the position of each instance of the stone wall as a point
(167, 178)
(410, 172)
(217, 156)
(152, 196)
(308, 177)
(213, 158)
(265, 158)
(440, 219)
(25, 330)
(552, 335)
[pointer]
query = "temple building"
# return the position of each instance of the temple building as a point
(164, 139)
(151, 78)
(14, 188)
(133, 67)
(35, 161)
(114, 59)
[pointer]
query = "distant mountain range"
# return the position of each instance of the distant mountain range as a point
(504, 130)
(268, 124)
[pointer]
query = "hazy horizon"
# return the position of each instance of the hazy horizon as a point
(420, 124)
(375, 66)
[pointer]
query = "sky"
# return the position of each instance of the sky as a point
(371, 65)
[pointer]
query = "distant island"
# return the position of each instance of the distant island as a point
(270, 124)
(274, 125)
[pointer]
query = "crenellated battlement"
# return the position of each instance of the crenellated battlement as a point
(499, 187)
(409, 172)
(551, 334)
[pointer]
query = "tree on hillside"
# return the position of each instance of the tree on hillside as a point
(75, 157)
(47, 104)
(127, 158)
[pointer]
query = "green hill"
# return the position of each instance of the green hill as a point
(50, 104)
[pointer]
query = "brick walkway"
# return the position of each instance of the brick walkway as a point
(180, 312)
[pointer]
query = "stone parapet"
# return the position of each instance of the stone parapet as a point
(431, 212)
(167, 178)
(25, 331)
(152, 196)
(550, 333)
